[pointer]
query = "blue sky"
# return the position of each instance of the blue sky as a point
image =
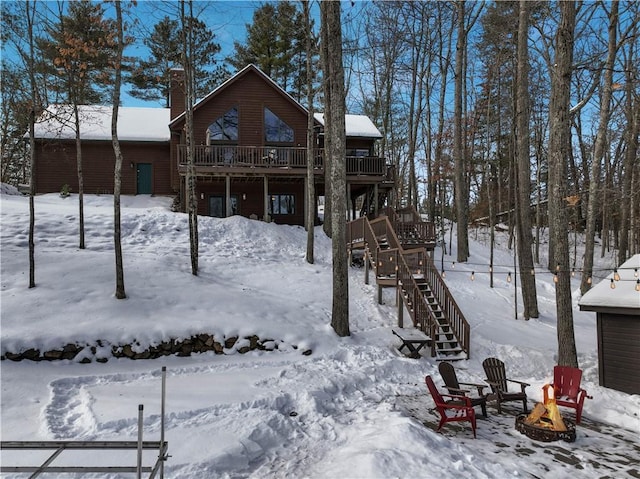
(227, 20)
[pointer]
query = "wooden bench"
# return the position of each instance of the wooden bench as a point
(413, 340)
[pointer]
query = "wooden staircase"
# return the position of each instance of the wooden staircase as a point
(420, 288)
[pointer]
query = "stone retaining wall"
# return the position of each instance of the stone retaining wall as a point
(101, 351)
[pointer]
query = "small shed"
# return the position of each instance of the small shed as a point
(616, 301)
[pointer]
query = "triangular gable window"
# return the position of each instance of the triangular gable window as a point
(224, 128)
(276, 130)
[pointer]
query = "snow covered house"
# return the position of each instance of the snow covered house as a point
(250, 151)
(616, 301)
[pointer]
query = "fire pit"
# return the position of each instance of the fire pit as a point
(544, 434)
(546, 424)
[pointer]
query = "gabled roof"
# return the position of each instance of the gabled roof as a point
(624, 295)
(249, 68)
(356, 126)
(134, 123)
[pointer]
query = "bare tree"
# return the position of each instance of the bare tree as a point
(30, 10)
(599, 148)
(559, 144)
(311, 195)
(524, 239)
(117, 174)
(460, 175)
(335, 108)
(189, 89)
(630, 197)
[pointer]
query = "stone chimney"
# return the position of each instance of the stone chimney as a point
(176, 94)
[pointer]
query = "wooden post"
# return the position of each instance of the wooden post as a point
(375, 199)
(266, 199)
(227, 195)
(367, 265)
(400, 308)
(380, 294)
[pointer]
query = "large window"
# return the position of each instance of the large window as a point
(282, 204)
(276, 130)
(224, 128)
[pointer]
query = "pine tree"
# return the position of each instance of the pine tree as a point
(150, 78)
(276, 45)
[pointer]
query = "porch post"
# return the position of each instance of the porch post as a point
(305, 201)
(375, 199)
(266, 199)
(227, 194)
(349, 217)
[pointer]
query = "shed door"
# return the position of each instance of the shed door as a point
(143, 182)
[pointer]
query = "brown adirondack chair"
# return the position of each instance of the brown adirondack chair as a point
(566, 389)
(462, 410)
(497, 379)
(448, 373)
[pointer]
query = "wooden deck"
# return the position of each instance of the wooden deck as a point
(277, 160)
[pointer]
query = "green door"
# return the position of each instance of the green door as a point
(143, 182)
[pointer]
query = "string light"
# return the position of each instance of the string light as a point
(533, 272)
(509, 277)
(473, 276)
(589, 280)
(558, 267)
(635, 272)
(444, 274)
(616, 276)
(555, 277)
(573, 272)
(453, 265)
(637, 284)
(613, 284)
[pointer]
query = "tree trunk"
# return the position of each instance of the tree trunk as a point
(311, 195)
(326, 88)
(632, 115)
(76, 115)
(559, 143)
(335, 107)
(598, 150)
(461, 198)
(117, 175)
(527, 280)
(187, 64)
(30, 17)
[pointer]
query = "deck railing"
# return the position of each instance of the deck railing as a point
(389, 259)
(276, 157)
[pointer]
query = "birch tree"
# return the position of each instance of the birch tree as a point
(189, 100)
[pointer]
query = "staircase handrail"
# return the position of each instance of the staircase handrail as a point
(420, 311)
(448, 304)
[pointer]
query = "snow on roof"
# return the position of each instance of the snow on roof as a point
(359, 126)
(623, 296)
(134, 123)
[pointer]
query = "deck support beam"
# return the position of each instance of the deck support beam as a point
(266, 199)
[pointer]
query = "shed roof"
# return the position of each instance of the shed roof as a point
(134, 123)
(623, 296)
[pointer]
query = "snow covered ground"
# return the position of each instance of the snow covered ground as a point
(354, 408)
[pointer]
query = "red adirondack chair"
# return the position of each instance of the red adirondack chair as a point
(566, 389)
(462, 410)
